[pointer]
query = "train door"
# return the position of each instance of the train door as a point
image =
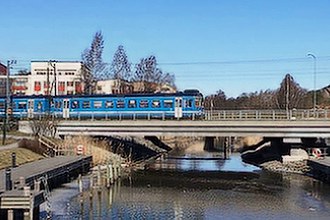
(178, 107)
(30, 109)
(66, 108)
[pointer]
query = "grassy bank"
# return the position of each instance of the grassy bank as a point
(8, 141)
(22, 156)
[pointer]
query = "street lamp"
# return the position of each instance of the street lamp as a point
(314, 94)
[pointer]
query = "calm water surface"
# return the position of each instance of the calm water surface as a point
(189, 188)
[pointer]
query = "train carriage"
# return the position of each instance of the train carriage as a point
(159, 105)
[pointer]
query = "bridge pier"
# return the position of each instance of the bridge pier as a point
(218, 144)
(209, 144)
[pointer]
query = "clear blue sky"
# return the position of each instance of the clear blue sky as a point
(253, 43)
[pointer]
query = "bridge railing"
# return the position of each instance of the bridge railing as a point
(209, 115)
(267, 115)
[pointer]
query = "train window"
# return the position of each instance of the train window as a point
(58, 104)
(2, 105)
(109, 104)
(39, 105)
(120, 104)
(132, 103)
(22, 105)
(74, 104)
(144, 104)
(86, 104)
(188, 103)
(198, 102)
(155, 103)
(97, 104)
(168, 103)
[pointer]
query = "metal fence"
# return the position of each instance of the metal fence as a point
(301, 114)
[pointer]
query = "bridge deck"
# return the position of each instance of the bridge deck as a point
(52, 167)
(290, 129)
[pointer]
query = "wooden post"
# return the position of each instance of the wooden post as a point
(119, 169)
(21, 182)
(99, 179)
(10, 214)
(80, 185)
(36, 185)
(108, 176)
(111, 174)
(115, 175)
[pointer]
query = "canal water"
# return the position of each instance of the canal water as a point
(202, 186)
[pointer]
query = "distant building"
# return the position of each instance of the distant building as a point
(151, 87)
(56, 77)
(113, 86)
(3, 72)
(20, 84)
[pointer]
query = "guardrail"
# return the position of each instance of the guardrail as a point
(208, 115)
(274, 115)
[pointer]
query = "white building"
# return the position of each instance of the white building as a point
(56, 77)
(113, 86)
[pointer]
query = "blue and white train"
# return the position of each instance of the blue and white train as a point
(187, 104)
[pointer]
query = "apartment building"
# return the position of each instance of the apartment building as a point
(3, 72)
(56, 78)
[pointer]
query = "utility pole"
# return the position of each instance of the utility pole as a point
(53, 64)
(7, 103)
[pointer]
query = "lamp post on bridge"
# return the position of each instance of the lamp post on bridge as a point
(314, 93)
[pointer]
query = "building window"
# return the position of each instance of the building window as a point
(78, 88)
(37, 86)
(61, 86)
(70, 83)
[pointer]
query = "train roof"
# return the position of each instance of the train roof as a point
(184, 93)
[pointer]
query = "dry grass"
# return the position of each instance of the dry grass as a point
(8, 141)
(100, 150)
(249, 141)
(22, 156)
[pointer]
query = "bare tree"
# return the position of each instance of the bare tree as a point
(120, 66)
(290, 94)
(92, 59)
(150, 75)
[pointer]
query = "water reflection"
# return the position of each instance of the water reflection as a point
(190, 194)
(205, 162)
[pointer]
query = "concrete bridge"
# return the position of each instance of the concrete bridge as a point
(265, 128)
